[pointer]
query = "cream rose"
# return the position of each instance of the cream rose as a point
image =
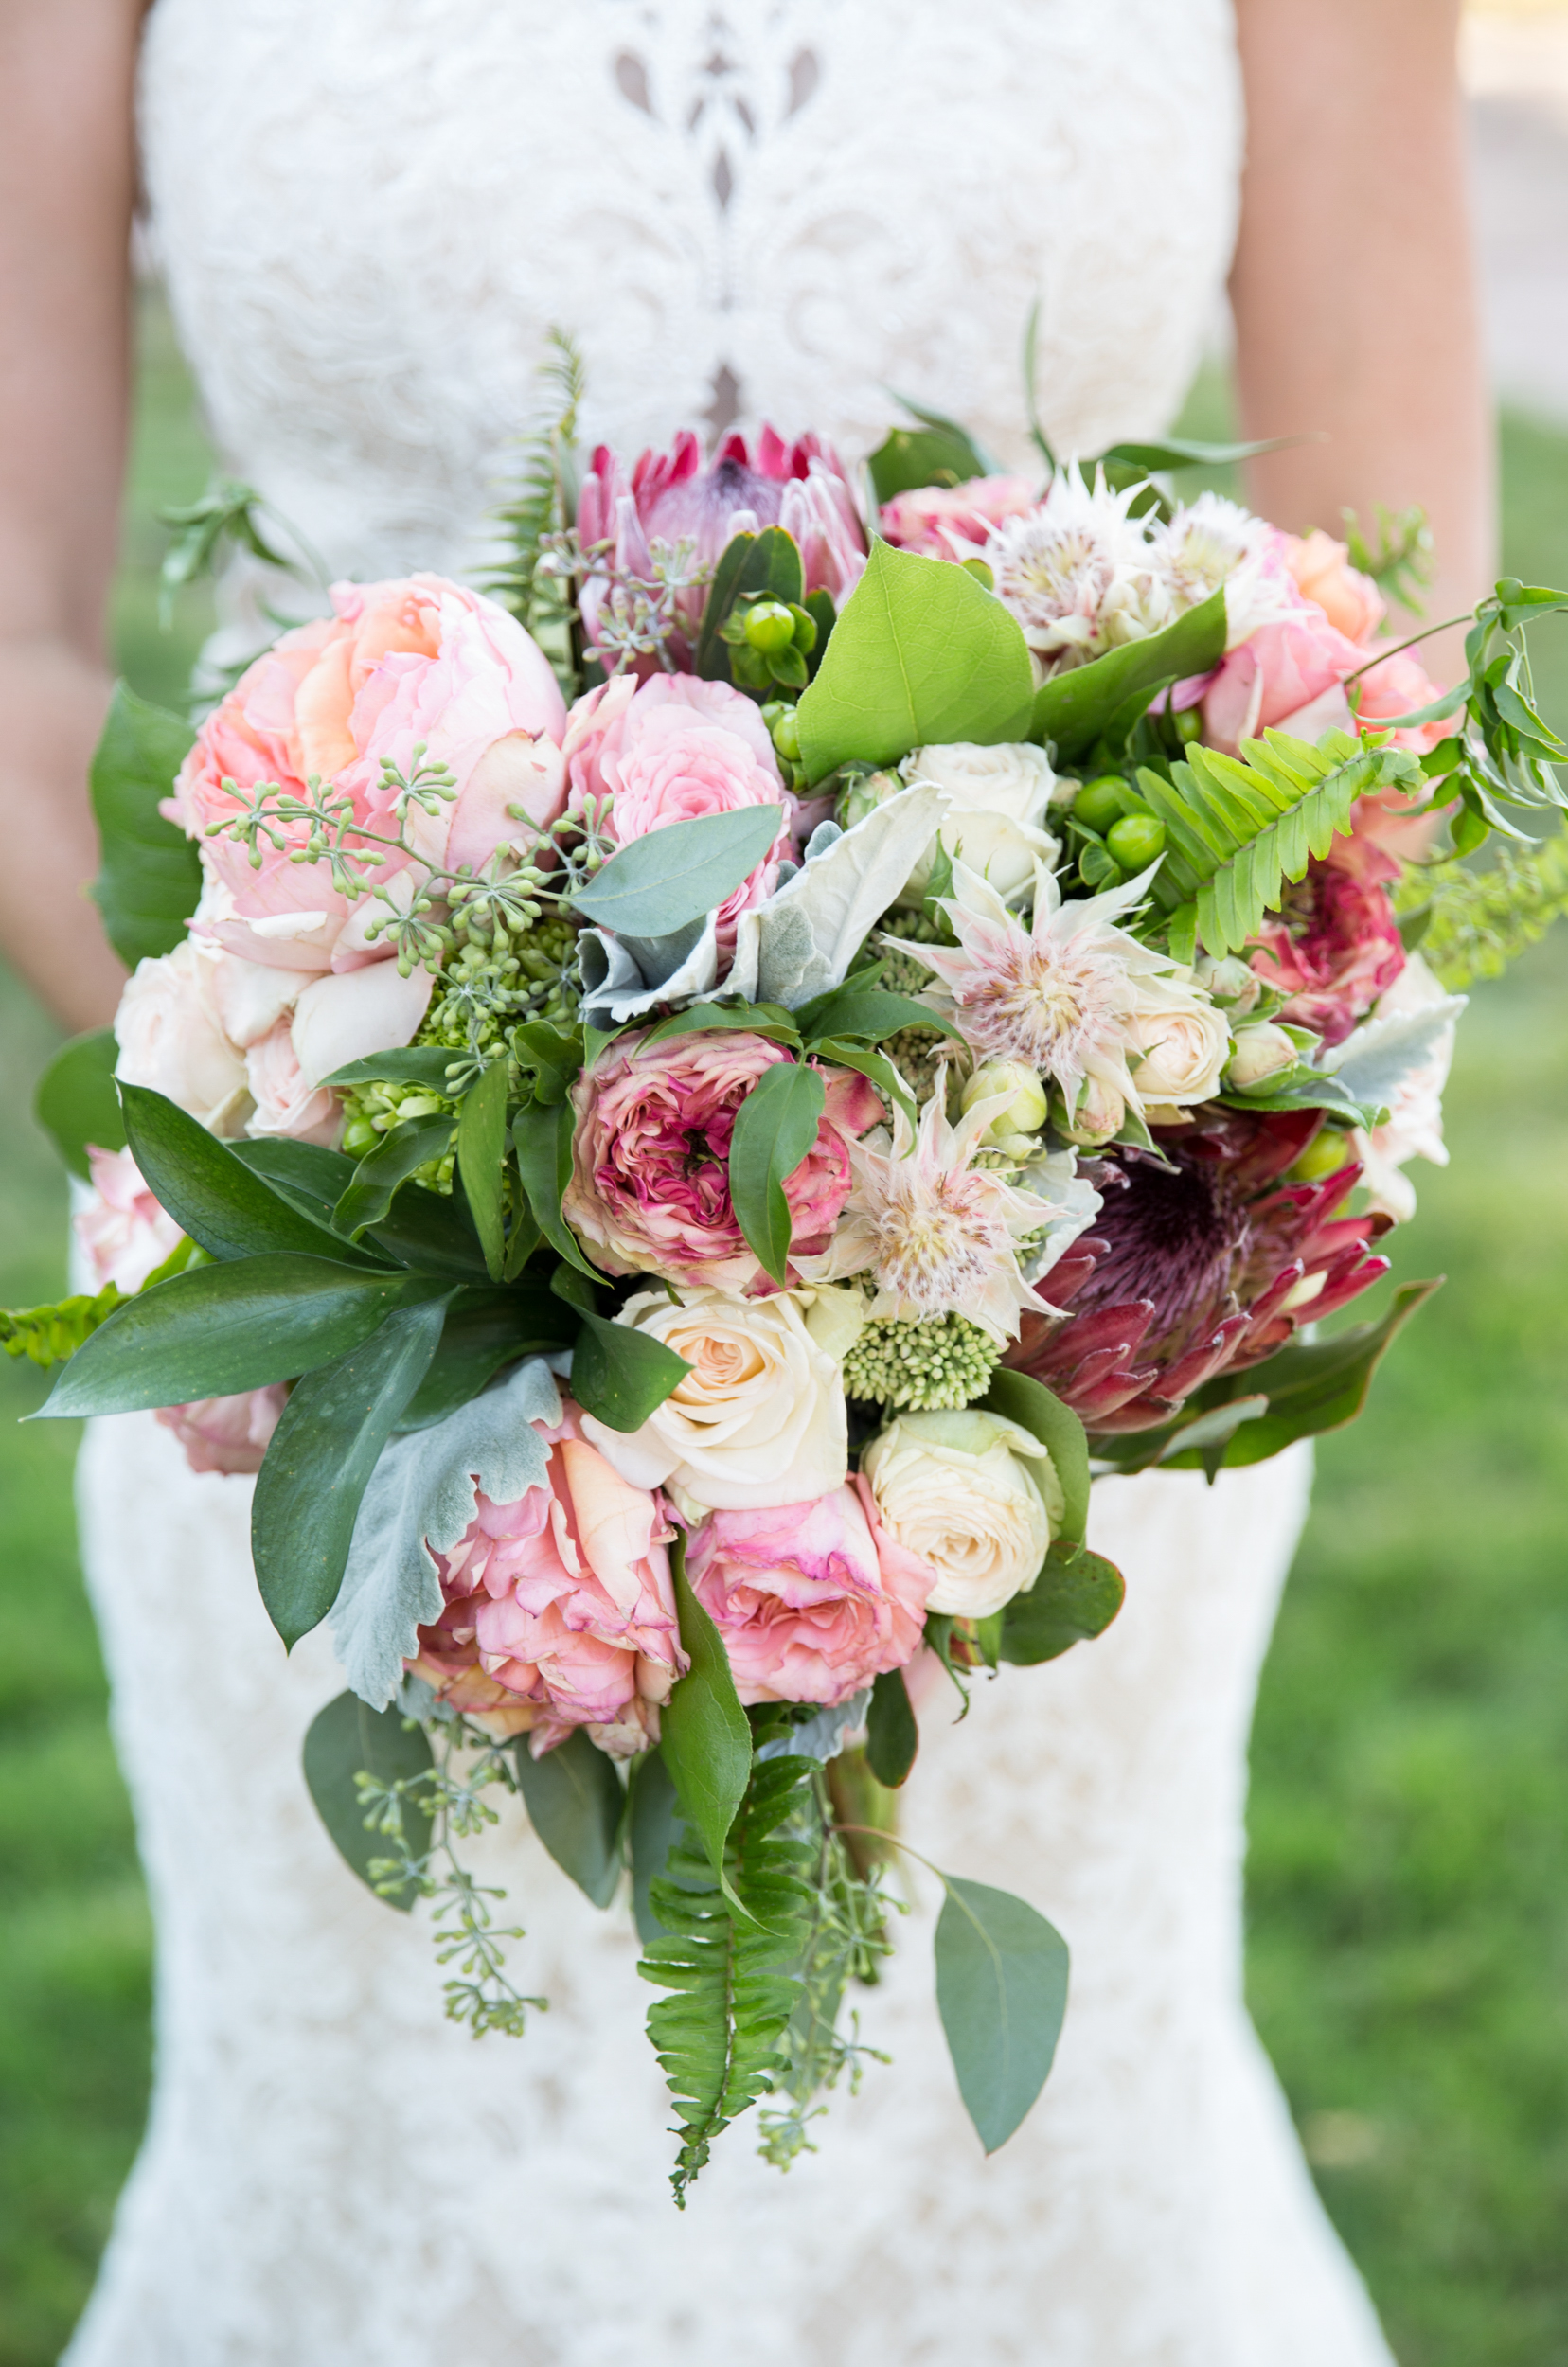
(1179, 1045)
(996, 802)
(170, 1038)
(1262, 1051)
(758, 1421)
(974, 1497)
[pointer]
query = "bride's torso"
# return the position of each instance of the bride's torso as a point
(370, 212)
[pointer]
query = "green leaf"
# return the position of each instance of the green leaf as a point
(211, 1194)
(872, 1064)
(416, 1064)
(76, 1102)
(482, 1158)
(575, 1801)
(219, 1329)
(1002, 1993)
(706, 1738)
(775, 1128)
(920, 653)
(380, 1175)
(1076, 1595)
(150, 875)
(679, 874)
(431, 1231)
(767, 562)
(871, 1013)
(345, 1739)
(319, 1462)
(542, 1137)
(913, 457)
(486, 1328)
(1032, 1406)
(1073, 709)
(892, 1736)
(621, 1375)
(552, 1056)
(1177, 452)
(307, 1174)
(754, 1019)
(653, 1825)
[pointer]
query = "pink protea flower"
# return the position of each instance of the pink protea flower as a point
(650, 1184)
(1335, 946)
(808, 1608)
(559, 1609)
(1203, 1264)
(953, 521)
(1058, 994)
(125, 1232)
(227, 1435)
(939, 1234)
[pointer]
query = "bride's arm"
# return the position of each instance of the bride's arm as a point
(1354, 286)
(66, 179)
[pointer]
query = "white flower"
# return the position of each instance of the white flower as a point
(1214, 541)
(1183, 1044)
(997, 800)
(1413, 1128)
(975, 1496)
(1067, 1204)
(939, 1235)
(170, 1038)
(759, 1419)
(1069, 568)
(1061, 995)
(1261, 1052)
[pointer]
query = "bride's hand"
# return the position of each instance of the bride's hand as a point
(66, 182)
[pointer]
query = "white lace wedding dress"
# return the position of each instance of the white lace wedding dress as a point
(369, 211)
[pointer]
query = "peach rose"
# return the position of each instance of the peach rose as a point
(125, 1233)
(1321, 570)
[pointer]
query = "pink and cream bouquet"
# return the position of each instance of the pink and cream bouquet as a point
(678, 1117)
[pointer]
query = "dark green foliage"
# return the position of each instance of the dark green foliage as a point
(346, 1739)
(149, 877)
(1076, 1597)
(212, 1194)
(621, 1375)
(892, 1736)
(575, 1803)
(775, 1128)
(76, 1102)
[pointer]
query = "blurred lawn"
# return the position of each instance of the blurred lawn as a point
(1409, 1930)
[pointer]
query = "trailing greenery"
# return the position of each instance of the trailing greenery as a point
(1471, 924)
(545, 504)
(1401, 560)
(47, 1335)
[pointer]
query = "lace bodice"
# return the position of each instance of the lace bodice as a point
(370, 212)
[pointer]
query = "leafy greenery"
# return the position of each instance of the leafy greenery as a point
(1076, 1597)
(541, 504)
(48, 1335)
(576, 1805)
(1074, 710)
(77, 1103)
(706, 1741)
(150, 875)
(1474, 922)
(774, 1130)
(1001, 1993)
(346, 1739)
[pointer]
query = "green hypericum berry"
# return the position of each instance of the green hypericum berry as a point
(1322, 1155)
(770, 627)
(1135, 840)
(1099, 804)
(938, 1364)
(786, 734)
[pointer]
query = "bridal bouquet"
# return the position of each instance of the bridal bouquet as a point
(676, 1115)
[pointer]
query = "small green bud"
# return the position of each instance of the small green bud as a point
(805, 628)
(1325, 1152)
(1135, 840)
(1027, 1107)
(770, 627)
(1101, 804)
(786, 734)
(1190, 725)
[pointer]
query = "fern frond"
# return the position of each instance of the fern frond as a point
(47, 1335)
(1238, 830)
(539, 505)
(718, 2036)
(1482, 920)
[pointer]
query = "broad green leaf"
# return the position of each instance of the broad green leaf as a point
(920, 653)
(485, 1329)
(892, 1736)
(309, 1175)
(319, 1462)
(875, 1066)
(1178, 452)
(381, 1173)
(150, 875)
(542, 1137)
(345, 1739)
(421, 1499)
(769, 563)
(621, 1375)
(431, 1231)
(754, 1019)
(416, 1064)
(872, 1013)
(775, 1128)
(1001, 1993)
(1032, 1406)
(575, 1801)
(76, 1102)
(911, 457)
(1073, 709)
(218, 1330)
(679, 874)
(653, 1824)
(552, 1054)
(706, 1738)
(213, 1195)
(482, 1158)
(1076, 1597)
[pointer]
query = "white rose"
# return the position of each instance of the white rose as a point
(759, 1419)
(997, 799)
(1099, 1115)
(286, 1101)
(1180, 1044)
(170, 1039)
(1262, 1051)
(974, 1496)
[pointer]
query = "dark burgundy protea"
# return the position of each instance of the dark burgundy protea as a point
(1196, 1268)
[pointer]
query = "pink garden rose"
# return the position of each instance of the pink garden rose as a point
(1336, 946)
(414, 659)
(1290, 663)
(559, 1609)
(807, 1610)
(1400, 685)
(953, 521)
(286, 1101)
(649, 1186)
(227, 1435)
(125, 1233)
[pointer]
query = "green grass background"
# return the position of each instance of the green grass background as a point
(1408, 1943)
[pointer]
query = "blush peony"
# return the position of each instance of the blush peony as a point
(124, 1230)
(650, 1184)
(227, 1435)
(808, 1610)
(172, 1039)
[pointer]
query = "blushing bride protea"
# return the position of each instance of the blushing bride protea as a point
(1078, 573)
(938, 1234)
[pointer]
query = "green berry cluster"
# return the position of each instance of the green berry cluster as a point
(498, 975)
(371, 1111)
(940, 1363)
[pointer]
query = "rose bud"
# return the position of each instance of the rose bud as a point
(1261, 1052)
(1025, 1112)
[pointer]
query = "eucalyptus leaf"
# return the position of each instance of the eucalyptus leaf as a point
(421, 1495)
(1001, 1993)
(76, 1102)
(892, 1737)
(482, 1160)
(345, 1739)
(621, 1375)
(1032, 1406)
(1076, 1595)
(213, 1195)
(679, 874)
(574, 1800)
(920, 653)
(1073, 709)
(150, 875)
(218, 1330)
(706, 1738)
(319, 1462)
(380, 1175)
(775, 1128)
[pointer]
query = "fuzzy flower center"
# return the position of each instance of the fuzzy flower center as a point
(1044, 1004)
(938, 1247)
(1047, 573)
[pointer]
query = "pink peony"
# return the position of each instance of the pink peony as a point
(227, 1435)
(649, 1186)
(559, 1609)
(414, 659)
(806, 1609)
(1336, 946)
(1321, 570)
(125, 1233)
(953, 521)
